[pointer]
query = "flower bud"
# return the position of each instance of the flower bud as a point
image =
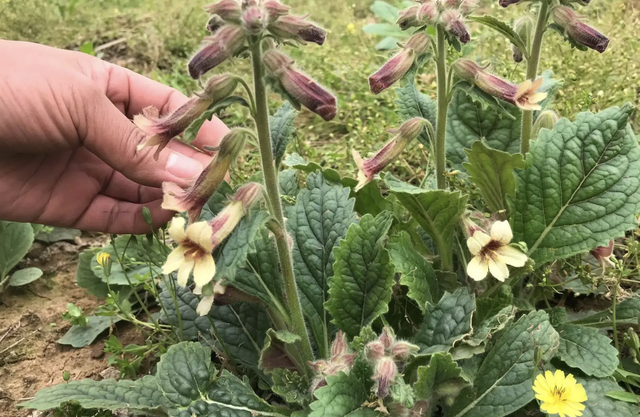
(228, 10)
(339, 346)
(387, 337)
(603, 255)
(275, 9)
(524, 28)
(225, 222)
(454, 24)
(418, 42)
(427, 13)
(104, 260)
(248, 195)
(402, 350)
(468, 6)
(385, 373)
(374, 351)
(546, 120)
(223, 45)
(298, 29)
(408, 18)
(309, 93)
(368, 168)
(195, 197)
(219, 87)
(392, 71)
(254, 20)
(506, 3)
(579, 32)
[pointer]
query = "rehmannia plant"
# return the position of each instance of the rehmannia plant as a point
(322, 295)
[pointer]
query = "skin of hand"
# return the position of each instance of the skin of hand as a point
(68, 147)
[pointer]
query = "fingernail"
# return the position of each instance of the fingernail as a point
(182, 166)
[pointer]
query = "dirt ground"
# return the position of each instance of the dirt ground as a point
(31, 322)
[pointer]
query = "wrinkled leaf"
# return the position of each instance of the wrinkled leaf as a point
(579, 189)
(412, 103)
(442, 368)
(598, 404)
(343, 396)
(282, 130)
(361, 288)
(183, 374)
(587, 349)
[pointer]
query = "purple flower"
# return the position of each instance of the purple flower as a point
(228, 10)
(578, 31)
(223, 45)
(309, 93)
(454, 24)
(298, 29)
(275, 9)
(408, 18)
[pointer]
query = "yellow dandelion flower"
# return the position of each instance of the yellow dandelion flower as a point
(351, 29)
(104, 260)
(560, 394)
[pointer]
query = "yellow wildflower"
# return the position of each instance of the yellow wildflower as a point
(560, 394)
(351, 29)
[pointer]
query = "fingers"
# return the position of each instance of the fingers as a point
(122, 188)
(132, 92)
(106, 214)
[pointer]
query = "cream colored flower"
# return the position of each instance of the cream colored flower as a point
(528, 97)
(192, 253)
(206, 302)
(493, 253)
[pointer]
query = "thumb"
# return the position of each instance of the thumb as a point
(112, 137)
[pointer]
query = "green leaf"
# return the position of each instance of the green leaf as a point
(468, 121)
(289, 182)
(282, 129)
(361, 289)
(239, 245)
(580, 186)
(623, 396)
(417, 274)
(446, 322)
(241, 326)
(390, 42)
(138, 261)
(441, 369)
(504, 29)
(492, 171)
(191, 132)
(504, 380)
(261, 277)
(342, 397)
(385, 29)
(627, 313)
(87, 279)
(25, 276)
(320, 218)
(15, 241)
(291, 386)
(385, 11)
(488, 307)
(436, 211)
(599, 404)
(183, 373)
(59, 234)
(81, 336)
(481, 335)
(587, 349)
(369, 200)
(276, 352)
(412, 103)
(109, 394)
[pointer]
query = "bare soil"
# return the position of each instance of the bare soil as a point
(31, 323)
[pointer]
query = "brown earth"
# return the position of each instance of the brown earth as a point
(31, 322)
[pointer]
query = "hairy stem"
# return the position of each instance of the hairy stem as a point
(275, 207)
(443, 104)
(532, 71)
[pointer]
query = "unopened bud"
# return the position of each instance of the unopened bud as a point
(468, 6)
(385, 373)
(146, 215)
(223, 45)
(427, 13)
(524, 28)
(248, 195)
(454, 24)
(275, 9)
(339, 346)
(298, 29)
(228, 10)
(402, 350)
(418, 42)
(392, 71)
(220, 87)
(579, 32)
(309, 93)
(254, 20)
(386, 337)
(546, 120)
(374, 351)
(408, 18)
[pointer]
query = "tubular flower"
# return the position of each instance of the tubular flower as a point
(578, 31)
(546, 120)
(163, 129)
(254, 20)
(298, 29)
(560, 394)
(454, 24)
(427, 13)
(368, 168)
(603, 255)
(195, 197)
(387, 345)
(275, 9)
(385, 373)
(394, 69)
(525, 95)
(196, 245)
(309, 93)
(408, 18)
(224, 43)
(492, 253)
(228, 10)
(209, 293)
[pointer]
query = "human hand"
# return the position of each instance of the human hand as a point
(68, 147)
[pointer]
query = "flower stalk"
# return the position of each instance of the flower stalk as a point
(532, 71)
(443, 104)
(273, 198)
